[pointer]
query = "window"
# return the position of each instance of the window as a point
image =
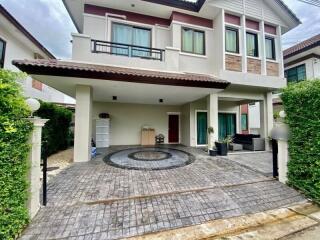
(193, 41)
(252, 45)
(296, 74)
(270, 48)
(244, 121)
(232, 40)
(2, 52)
(130, 35)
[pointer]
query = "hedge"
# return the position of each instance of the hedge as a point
(56, 132)
(14, 149)
(302, 106)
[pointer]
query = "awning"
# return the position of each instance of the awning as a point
(114, 73)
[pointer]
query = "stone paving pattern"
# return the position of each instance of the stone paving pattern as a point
(225, 189)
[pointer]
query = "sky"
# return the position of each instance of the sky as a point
(49, 22)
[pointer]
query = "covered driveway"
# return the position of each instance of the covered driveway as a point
(95, 200)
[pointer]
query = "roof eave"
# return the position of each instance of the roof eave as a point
(72, 17)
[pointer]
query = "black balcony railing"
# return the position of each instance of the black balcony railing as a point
(128, 50)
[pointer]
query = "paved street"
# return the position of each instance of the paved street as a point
(96, 200)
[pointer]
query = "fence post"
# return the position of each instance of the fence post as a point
(34, 163)
(283, 156)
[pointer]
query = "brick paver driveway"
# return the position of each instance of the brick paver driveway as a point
(97, 201)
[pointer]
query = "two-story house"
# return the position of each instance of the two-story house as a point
(175, 66)
(16, 42)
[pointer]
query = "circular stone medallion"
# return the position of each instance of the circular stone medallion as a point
(149, 155)
(149, 158)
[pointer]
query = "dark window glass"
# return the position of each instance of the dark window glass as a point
(2, 52)
(252, 45)
(244, 121)
(232, 40)
(193, 41)
(270, 49)
(296, 74)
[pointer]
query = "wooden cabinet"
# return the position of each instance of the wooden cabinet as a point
(148, 136)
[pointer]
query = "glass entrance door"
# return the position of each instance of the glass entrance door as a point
(202, 124)
(227, 125)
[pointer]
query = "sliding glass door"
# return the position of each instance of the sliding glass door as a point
(131, 35)
(227, 125)
(202, 124)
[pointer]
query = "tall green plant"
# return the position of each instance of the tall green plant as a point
(14, 148)
(302, 105)
(56, 132)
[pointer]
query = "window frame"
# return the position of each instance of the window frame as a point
(236, 30)
(274, 57)
(193, 31)
(2, 57)
(296, 73)
(256, 42)
(132, 26)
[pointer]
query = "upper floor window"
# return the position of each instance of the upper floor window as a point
(193, 41)
(2, 52)
(270, 48)
(232, 40)
(252, 45)
(130, 35)
(296, 74)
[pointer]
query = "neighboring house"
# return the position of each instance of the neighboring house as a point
(174, 66)
(302, 61)
(17, 43)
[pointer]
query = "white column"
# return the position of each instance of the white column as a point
(280, 52)
(34, 163)
(83, 124)
(212, 106)
(243, 43)
(263, 50)
(266, 118)
(283, 158)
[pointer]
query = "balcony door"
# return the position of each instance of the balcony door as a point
(133, 37)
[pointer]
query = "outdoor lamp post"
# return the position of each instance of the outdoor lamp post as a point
(33, 104)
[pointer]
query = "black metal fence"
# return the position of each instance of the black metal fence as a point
(128, 50)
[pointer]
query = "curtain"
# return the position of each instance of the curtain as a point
(231, 41)
(121, 34)
(141, 37)
(202, 128)
(199, 43)
(251, 42)
(187, 40)
(227, 125)
(270, 48)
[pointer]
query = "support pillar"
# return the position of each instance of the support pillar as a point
(34, 163)
(212, 106)
(83, 124)
(266, 118)
(283, 158)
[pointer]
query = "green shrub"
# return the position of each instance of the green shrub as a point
(302, 105)
(56, 132)
(14, 148)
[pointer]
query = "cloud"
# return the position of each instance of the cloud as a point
(47, 20)
(310, 18)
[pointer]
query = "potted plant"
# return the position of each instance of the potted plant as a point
(222, 146)
(212, 151)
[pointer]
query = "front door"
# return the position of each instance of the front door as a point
(173, 128)
(227, 125)
(202, 124)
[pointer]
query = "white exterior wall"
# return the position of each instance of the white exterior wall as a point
(15, 49)
(126, 120)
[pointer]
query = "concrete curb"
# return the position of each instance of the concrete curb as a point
(268, 225)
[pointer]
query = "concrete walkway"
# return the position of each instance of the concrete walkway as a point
(97, 201)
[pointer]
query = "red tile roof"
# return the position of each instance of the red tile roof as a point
(107, 72)
(303, 46)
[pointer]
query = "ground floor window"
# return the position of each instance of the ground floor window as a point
(202, 126)
(227, 125)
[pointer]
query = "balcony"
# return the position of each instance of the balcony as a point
(127, 50)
